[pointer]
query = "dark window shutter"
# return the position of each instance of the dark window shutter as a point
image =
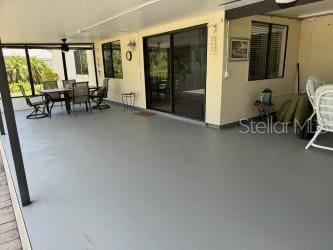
(267, 52)
(107, 60)
(258, 51)
(276, 53)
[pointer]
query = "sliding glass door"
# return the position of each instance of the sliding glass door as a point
(189, 62)
(158, 73)
(175, 66)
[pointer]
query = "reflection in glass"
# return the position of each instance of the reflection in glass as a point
(112, 60)
(81, 62)
(158, 49)
(107, 60)
(116, 60)
(189, 60)
(175, 66)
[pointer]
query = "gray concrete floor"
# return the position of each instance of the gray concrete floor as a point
(113, 180)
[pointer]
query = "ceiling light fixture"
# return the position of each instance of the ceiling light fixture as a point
(285, 1)
(128, 11)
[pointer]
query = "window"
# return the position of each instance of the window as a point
(112, 60)
(268, 51)
(81, 62)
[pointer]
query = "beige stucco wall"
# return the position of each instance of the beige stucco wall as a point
(316, 48)
(239, 94)
(227, 99)
(133, 71)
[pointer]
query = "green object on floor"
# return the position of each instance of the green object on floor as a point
(297, 110)
(303, 110)
(292, 109)
(281, 114)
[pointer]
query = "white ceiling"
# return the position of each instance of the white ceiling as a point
(38, 21)
(308, 9)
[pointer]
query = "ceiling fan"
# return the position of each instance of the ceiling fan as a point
(64, 45)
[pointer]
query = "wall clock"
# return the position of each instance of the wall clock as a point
(129, 55)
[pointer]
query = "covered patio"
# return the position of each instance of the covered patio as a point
(190, 165)
(121, 181)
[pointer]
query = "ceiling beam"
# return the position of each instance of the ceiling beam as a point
(263, 7)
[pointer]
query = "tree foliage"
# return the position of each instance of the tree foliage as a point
(17, 70)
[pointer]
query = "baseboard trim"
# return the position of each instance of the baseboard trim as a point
(187, 120)
(214, 126)
(119, 104)
(235, 124)
(178, 118)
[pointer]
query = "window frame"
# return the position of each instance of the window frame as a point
(80, 62)
(270, 25)
(110, 48)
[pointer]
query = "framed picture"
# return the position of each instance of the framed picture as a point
(239, 49)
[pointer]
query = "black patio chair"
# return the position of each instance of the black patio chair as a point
(68, 84)
(81, 94)
(38, 112)
(100, 94)
(53, 97)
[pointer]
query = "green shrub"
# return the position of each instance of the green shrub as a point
(15, 89)
(17, 74)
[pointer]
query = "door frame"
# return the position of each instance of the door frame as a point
(172, 76)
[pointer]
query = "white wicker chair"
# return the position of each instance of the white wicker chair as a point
(323, 103)
(313, 83)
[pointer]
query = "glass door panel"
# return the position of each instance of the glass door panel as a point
(189, 62)
(175, 65)
(158, 72)
(17, 71)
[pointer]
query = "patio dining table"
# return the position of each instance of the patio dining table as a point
(65, 92)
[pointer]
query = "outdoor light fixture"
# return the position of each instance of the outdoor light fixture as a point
(131, 44)
(285, 1)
